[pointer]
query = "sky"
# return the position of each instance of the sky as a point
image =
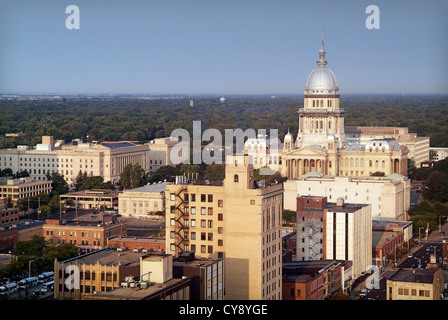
(221, 47)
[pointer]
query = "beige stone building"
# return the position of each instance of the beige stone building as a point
(99, 271)
(388, 196)
(418, 146)
(160, 151)
(106, 159)
(236, 222)
(144, 201)
(21, 188)
(415, 284)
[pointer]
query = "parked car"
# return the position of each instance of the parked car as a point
(363, 293)
(410, 255)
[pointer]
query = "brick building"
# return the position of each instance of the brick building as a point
(86, 235)
(153, 244)
(312, 280)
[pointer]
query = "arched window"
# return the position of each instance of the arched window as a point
(235, 178)
(370, 163)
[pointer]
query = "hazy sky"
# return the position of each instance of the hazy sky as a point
(221, 47)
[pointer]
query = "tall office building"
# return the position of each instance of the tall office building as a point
(238, 222)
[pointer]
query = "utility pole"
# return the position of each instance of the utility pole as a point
(38, 210)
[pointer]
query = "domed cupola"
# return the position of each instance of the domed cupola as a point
(321, 81)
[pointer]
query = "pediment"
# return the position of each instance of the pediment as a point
(307, 151)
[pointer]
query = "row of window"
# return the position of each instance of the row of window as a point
(191, 197)
(204, 223)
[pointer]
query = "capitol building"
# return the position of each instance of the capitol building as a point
(320, 145)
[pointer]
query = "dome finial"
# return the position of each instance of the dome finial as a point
(322, 62)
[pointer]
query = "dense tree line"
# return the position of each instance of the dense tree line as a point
(132, 119)
(434, 207)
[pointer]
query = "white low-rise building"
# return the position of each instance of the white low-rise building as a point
(143, 201)
(389, 196)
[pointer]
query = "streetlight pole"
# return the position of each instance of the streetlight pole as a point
(440, 223)
(29, 268)
(419, 233)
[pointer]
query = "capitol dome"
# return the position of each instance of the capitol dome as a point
(321, 80)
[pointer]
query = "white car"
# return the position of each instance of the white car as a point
(363, 293)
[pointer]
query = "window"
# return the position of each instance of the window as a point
(193, 222)
(220, 216)
(220, 203)
(193, 210)
(203, 223)
(193, 197)
(203, 197)
(210, 223)
(235, 178)
(172, 197)
(203, 211)
(210, 198)
(193, 236)
(210, 236)
(210, 211)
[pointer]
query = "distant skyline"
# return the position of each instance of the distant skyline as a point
(246, 47)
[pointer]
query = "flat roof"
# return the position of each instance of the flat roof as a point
(116, 145)
(122, 293)
(414, 275)
(155, 187)
(297, 269)
(390, 224)
(380, 238)
(110, 256)
(195, 262)
(92, 193)
(137, 239)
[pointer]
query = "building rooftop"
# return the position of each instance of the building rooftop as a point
(307, 269)
(137, 239)
(155, 187)
(110, 256)
(381, 238)
(392, 225)
(414, 275)
(116, 145)
(139, 293)
(93, 193)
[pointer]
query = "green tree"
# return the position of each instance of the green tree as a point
(436, 187)
(215, 172)
(93, 182)
(34, 248)
(133, 176)
(80, 179)
(59, 185)
(61, 252)
(289, 216)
